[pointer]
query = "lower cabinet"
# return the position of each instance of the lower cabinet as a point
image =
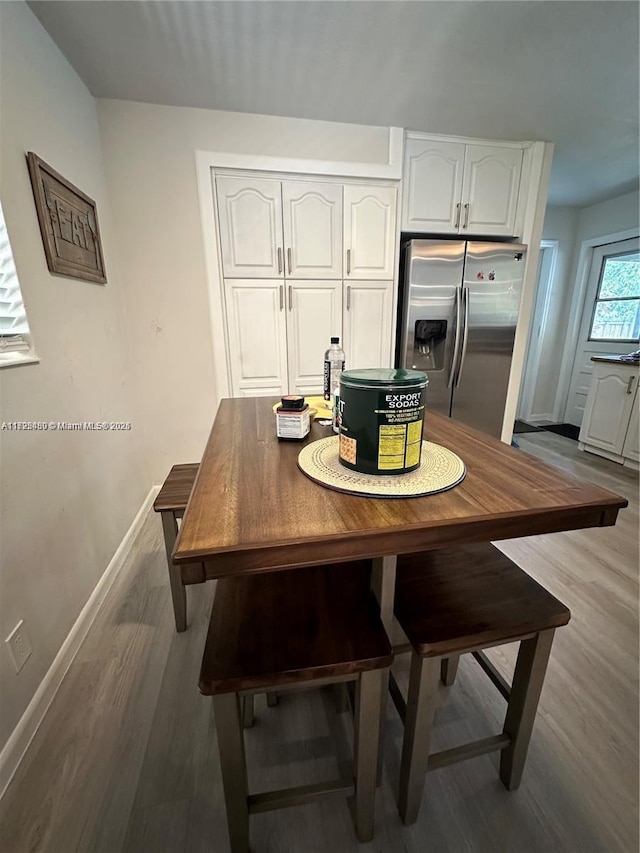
(368, 323)
(278, 332)
(610, 424)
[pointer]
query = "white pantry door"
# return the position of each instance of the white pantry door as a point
(312, 229)
(368, 323)
(369, 232)
(314, 315)
(250, 218)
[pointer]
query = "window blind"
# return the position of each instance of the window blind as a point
(14, 329)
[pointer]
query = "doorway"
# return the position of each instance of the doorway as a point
(530, 409)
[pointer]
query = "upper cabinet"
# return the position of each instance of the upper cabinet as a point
(312, 229)
(274, 229)
(369, 232)
(432, 186)
(250, 216)
(460, 188)
(490, 190)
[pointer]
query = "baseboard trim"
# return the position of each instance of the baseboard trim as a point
(19, 740)
(539, 419)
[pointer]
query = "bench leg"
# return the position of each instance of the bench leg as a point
(528, 679)
(248, 718)
(233, 764)
(178, 592)
(421, 705)
(449, 669)
(368, 697)
(383, 584)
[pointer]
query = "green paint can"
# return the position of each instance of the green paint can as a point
(381, 419)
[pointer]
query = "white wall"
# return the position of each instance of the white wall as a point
(560, 224)
(67, 498)
(149, 155)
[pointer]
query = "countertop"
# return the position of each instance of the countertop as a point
(615, 359)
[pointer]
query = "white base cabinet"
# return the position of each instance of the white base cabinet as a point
(368, 323)
(257, 336)
(314, 315)
(610, 424)
(278, 333)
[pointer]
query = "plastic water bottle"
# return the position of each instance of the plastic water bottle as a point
(333, 367)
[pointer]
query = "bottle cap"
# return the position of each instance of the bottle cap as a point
(335, 340)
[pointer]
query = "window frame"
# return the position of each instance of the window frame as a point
(598, 300)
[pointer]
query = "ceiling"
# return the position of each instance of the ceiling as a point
(565, 72)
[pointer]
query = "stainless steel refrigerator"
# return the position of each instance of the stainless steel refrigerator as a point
(458, 321)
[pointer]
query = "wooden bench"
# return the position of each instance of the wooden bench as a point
(171, 503)
(284, 631)
(461, 600)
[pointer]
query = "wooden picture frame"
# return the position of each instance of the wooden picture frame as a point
(68, 223)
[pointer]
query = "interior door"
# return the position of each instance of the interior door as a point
(250, 220)
(610, 322)
(312, 229)
(314, 315)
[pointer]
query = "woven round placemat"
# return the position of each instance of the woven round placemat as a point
(439, 470)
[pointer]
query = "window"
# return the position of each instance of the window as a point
(616, 313)
(15, 340)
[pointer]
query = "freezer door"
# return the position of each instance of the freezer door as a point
(431, 315)
(490, 304)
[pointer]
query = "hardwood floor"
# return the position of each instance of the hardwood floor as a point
(126, 757)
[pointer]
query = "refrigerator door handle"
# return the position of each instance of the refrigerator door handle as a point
(465, 338)
(456, 348)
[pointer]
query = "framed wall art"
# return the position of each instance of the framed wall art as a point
(68, 224)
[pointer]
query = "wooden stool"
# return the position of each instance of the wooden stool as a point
(171, 503)
(463, 600)
(295, 629)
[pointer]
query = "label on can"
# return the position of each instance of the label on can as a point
(381, 430)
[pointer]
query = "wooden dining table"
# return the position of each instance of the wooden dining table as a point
(253, 510)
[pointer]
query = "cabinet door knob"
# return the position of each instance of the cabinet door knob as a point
(457, 223)
(348, 261)
(279, 259)
(290, 298)
(630, 384)
(466, 216)
(348, 297)
(289, 260)
(281, 296)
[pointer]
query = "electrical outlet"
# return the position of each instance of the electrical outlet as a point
(19, 645)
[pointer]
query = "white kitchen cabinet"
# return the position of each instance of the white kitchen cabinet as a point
(369, 232)
(257, 336)
(609, 427)
(460, 188)
(368, 323)
(631, 446)
(312, 230)
(250, 218)
(279, 229)
(314, 315)
(490, 186)
(432, 186)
